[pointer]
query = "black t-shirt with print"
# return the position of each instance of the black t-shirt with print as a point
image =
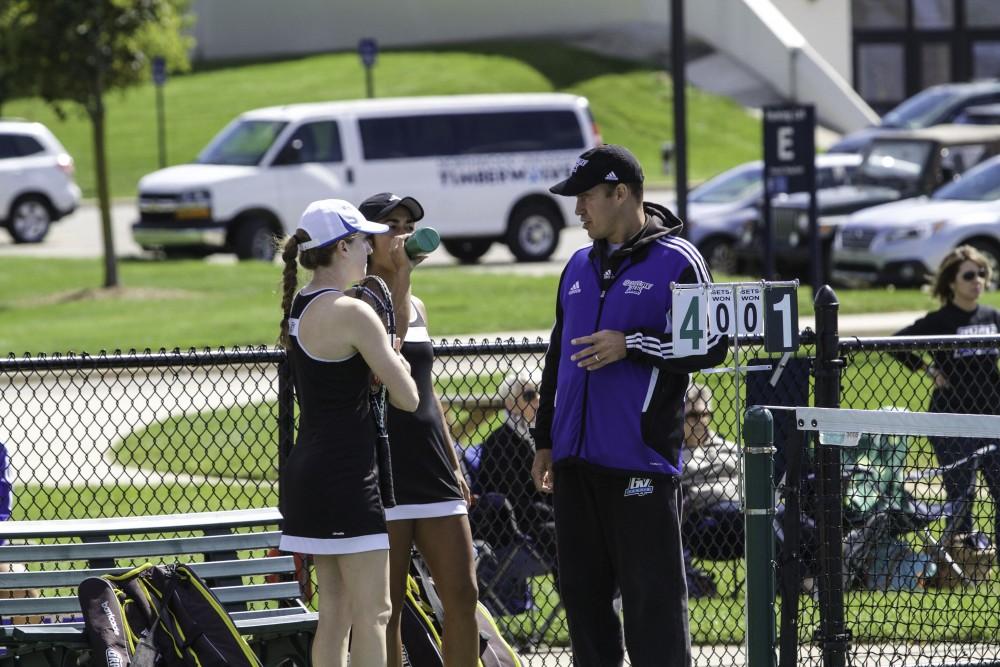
(972, 374)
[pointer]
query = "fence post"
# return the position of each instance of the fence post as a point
(286, 415)
(832, 635)
(758, 457)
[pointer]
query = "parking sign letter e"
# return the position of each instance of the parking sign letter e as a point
(786, 134)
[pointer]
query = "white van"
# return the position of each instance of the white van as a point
(481, 166)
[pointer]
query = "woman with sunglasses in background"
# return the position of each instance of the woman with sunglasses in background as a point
(432, 495)
(964, 381)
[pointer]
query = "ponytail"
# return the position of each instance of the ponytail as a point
(289, 281)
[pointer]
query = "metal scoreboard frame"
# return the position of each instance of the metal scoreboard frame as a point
(735, 309)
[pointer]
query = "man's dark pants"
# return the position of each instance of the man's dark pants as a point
(614, 533)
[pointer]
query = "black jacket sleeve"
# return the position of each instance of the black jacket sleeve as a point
(656, 347)
(925, 326)
(542, 432)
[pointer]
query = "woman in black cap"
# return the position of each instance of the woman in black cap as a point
(432, 496)
(330, 498)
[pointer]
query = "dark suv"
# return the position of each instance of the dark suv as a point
(937, 105)
(903, 165)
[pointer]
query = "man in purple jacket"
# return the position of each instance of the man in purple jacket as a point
(610, 423)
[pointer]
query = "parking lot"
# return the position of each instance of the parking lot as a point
(79, 236)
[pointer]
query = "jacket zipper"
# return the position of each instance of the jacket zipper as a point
(597, 325)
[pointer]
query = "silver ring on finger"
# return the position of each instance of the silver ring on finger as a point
(597, 357)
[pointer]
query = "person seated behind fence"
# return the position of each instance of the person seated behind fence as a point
(505, 464)
(710, 483)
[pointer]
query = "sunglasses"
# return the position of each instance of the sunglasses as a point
(969, 276)
(696, 416)
(529, 394)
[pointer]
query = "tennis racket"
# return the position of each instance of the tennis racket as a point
(375, 292)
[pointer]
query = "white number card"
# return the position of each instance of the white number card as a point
(750, 310)
(688, 323)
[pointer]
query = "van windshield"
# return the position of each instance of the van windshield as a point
(243, 142)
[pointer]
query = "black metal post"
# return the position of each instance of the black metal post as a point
(677, 57)
(369, 82)
(832, 635)
(817, 272)
(767, 229)
(161, 129)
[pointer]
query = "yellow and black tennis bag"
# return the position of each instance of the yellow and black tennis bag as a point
(159, 616)
(421, 627)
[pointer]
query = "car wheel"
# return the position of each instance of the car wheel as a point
(30, 218)
(256, 240)
(720, 255)
(533, 233)
(467, 251)
(991, 251)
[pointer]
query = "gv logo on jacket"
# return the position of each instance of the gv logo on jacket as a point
(639, 486)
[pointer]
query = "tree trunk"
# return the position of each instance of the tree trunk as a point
(103, 197)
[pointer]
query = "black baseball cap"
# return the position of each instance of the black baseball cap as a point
(378, 206)
(607, 163)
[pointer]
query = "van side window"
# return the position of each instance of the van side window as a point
(312, 142)
(469, 134)
(7, 148)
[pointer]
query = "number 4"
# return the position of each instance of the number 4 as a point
(690, 329)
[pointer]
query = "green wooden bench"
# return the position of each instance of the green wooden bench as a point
(229, 550)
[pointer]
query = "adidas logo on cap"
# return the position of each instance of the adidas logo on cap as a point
(612, 176)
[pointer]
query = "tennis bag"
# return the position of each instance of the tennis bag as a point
(159, 616)
(421, 628)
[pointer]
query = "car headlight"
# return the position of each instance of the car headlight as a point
(916, 232)
(194, 204)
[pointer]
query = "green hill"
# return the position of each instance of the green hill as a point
(631, 103)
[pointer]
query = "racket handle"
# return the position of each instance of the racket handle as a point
(384, 463)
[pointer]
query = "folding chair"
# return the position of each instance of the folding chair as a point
(879, 510)
(506, 559)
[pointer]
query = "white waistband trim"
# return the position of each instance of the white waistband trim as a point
(426, 510)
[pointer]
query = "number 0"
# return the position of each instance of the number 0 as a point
(750, 316)
(722, 318)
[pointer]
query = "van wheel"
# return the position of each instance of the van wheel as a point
(467, 251)
(29, 219)
(534, 233)
(255, 240)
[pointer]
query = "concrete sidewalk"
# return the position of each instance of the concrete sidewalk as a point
(869, 324)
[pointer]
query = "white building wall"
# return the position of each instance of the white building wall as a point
(753, 32)
(826, 26)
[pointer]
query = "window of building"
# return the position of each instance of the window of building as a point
(982, 13)
(881, 72)
(935, 63)
(986, 60)
(934, 14)
(879, 14)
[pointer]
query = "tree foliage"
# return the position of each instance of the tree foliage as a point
(76, 51)
(72, 52)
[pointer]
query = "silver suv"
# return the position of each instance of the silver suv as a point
(36, 180)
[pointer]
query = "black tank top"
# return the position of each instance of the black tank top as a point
(332, 395)
(421, 468)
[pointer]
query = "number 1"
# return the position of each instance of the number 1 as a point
(784, 306)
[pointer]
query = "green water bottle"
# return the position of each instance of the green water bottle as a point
(422, 242)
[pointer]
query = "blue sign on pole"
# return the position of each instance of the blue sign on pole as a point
(159, 70)
(368, 50)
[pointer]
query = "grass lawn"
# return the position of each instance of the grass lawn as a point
(195, 303)
(631, 102)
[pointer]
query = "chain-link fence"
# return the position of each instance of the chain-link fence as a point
(93, 436)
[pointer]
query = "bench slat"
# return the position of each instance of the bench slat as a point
(23, 553)
(160, 523)
(285, 590)
(223, 568)
(262, 622)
